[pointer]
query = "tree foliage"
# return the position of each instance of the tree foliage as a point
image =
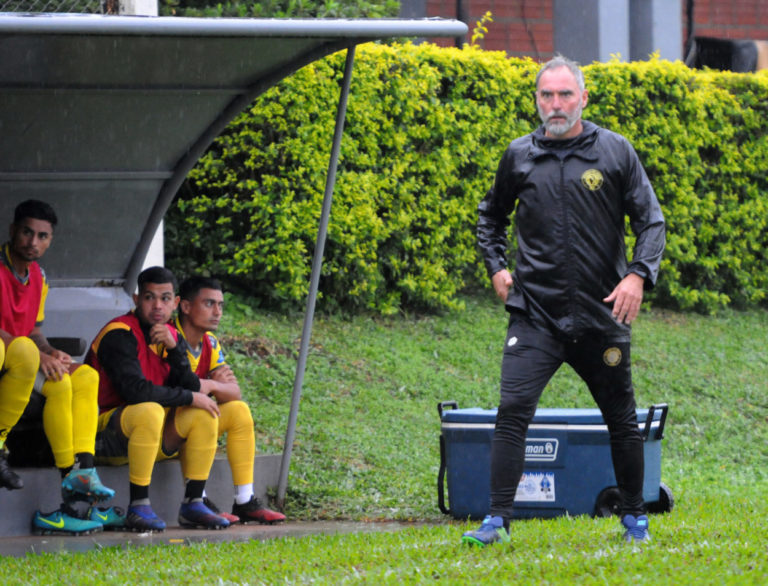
(425, 130)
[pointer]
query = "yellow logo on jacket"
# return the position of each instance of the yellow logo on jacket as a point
(592, 179)
(612, 356)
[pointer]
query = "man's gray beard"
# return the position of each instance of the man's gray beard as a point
(557, 129)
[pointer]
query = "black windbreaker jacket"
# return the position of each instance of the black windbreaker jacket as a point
(571, 198)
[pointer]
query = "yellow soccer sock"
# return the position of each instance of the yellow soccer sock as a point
(57, 420)
(236, 421)
(85, 409)
(20, 363)
(200, 431)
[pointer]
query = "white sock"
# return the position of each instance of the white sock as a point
(243, 493)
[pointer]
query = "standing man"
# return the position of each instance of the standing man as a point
(573, 295)
(200, 310)
(70, 412)
(152, 405)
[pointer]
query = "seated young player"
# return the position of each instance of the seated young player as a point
(70, 411)
(200, 309)
(152, 405)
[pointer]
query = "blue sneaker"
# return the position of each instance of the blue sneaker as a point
(111, 518)
(59, 522)
(196, 515)
(491, 531)
(141, 518)
(636, 528)
(84, 484)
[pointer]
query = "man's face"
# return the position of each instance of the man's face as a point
(204, 312)
(560, 103)
(155, 303)
(30, 238)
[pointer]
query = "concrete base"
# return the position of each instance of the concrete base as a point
(176, 537)
(42, 490)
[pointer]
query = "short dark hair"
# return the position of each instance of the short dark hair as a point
(190, 287)
(36, 209)
(157, 276)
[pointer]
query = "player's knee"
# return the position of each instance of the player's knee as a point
(147, 416)
(238, 412)
(22, 356)
(201, 424)
(85, 376)
(58, 390)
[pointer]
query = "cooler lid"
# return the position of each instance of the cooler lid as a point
(477, 415)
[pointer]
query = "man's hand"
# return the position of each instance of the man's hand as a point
(626, 298)
(203, 401)
(55, 365)
(502, 281)
(223, 374)
(160, 334)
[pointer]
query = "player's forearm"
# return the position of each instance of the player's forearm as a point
(221, 391)
(41, 342)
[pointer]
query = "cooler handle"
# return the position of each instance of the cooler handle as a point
(662, 420)
(443, 404)
(441, 479)
(441, 472)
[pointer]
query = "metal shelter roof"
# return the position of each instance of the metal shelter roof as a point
(104, 116)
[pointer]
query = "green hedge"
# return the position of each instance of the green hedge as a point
(425, 129)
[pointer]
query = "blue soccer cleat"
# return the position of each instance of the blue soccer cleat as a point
(141, 518)
(61, 523)
(111, 518)
(490, 531)
(196, 515)
(636, 528)
(84, 484)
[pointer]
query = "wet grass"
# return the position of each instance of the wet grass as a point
(367, 449)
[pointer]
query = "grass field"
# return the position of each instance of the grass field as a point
(367, 449)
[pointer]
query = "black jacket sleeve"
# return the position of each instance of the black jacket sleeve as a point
(493, 217)
(117, 355)
(646, 220)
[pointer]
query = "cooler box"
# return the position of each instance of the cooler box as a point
(568, 467)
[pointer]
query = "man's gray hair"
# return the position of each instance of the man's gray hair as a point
(559, 61)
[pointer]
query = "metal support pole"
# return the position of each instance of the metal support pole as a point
(317, 262)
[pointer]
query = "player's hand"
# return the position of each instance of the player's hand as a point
(502, 281)
(223, 374)
(203, 401)
(627, 298)
(65, 358)
(160, 334)
(52, 367)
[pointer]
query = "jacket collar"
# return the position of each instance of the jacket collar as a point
(580, 146)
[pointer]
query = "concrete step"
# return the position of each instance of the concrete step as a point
(42, 490)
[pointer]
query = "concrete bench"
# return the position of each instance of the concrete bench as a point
(42, 490)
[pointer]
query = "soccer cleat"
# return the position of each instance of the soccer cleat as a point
(61, 522)
(253, 510)
(196, 515)
(111, 518)
(636, 528)
(490, 531)
(84, 484)
(141, 518)
(228, 516)
(8, 478)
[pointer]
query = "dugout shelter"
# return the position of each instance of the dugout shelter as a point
(104, 116)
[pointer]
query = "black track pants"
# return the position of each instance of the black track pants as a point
(531, 358)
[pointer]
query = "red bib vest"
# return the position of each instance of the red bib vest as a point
(20, 304)
(153, 366)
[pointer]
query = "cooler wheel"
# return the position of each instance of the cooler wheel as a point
(608, 502)
(666, 501)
